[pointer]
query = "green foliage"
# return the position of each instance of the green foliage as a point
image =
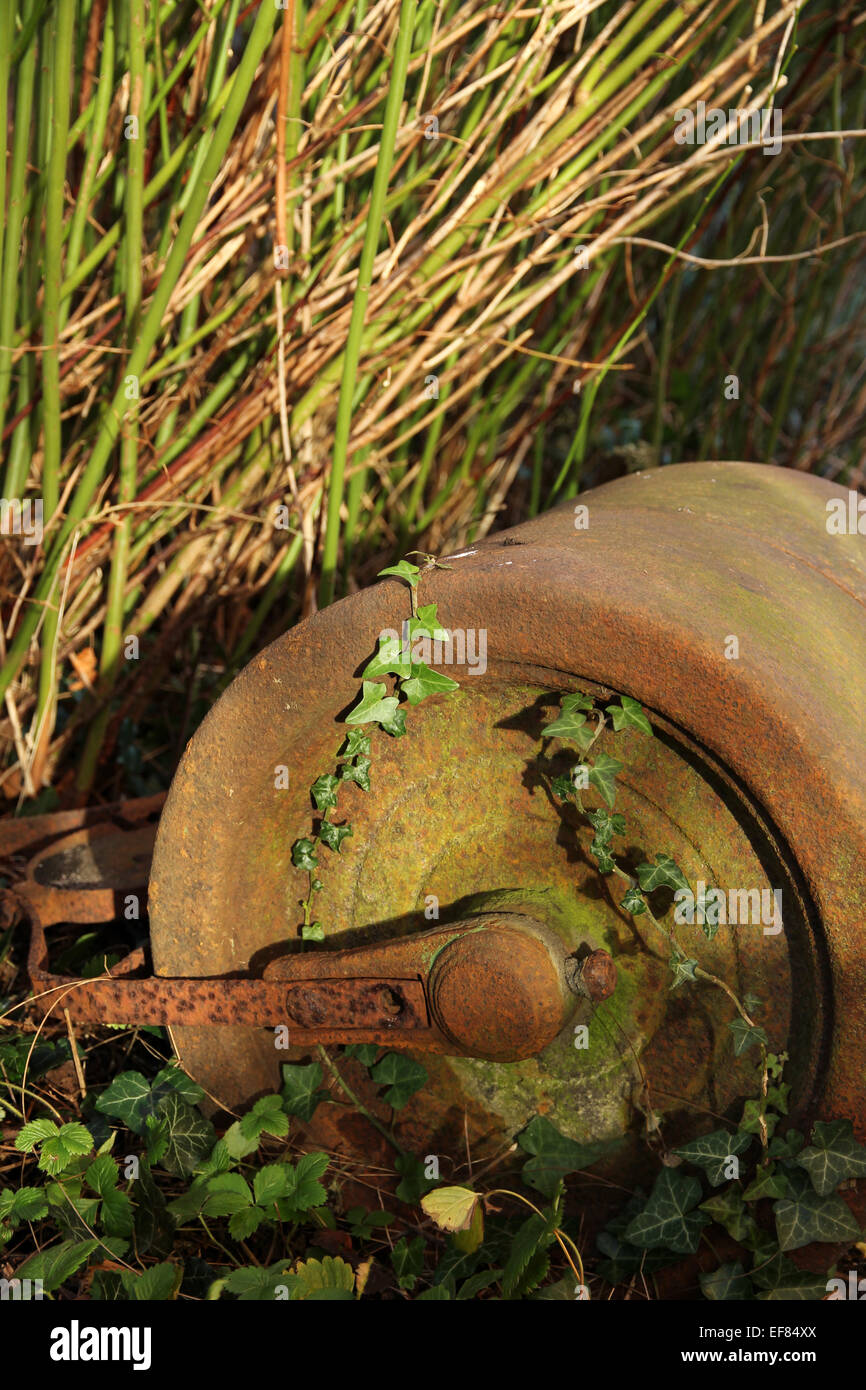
(402, 1075)
(554, 1156)
(301, 1091)
(668, 1219)
(58, 1145)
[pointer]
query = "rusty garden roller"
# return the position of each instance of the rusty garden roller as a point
(718, 597)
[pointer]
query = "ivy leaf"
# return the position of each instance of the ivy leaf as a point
(602, 776)
(664, 873)
(424, 682)
(304, 855)
(627, 712)
(357, 772)
(833, 1155)
(407, 1261)
(730, 1211)
(426, 622)
(55, 1265)
(312, 931)
(633, 902)
(324, 791)
(357, 742)
(668, 1220)
(728, 1282)
(174, 1078)
(555, 1156)
(746, 1035)
(401, 1075)
(366, 1053)
(753, 1113)
(770, 1182)
(563, 787)
(300, 1093)
(334, 835)
(395, 724)
(712, 1152)
(779, 1279)
(570, 725)
(375, 706)
(682, 969)
(190, 1136)
(811, 1217)
(402, 570)
(786, 1146)
(575, 701)
(389, 660)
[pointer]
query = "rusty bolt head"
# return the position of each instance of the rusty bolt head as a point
(593, 977)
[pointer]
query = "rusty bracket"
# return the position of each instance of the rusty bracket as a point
(498, 985)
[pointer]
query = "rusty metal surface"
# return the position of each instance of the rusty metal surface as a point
(761, 780)
(506, 966)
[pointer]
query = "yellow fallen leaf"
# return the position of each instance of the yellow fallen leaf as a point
(451, 1208)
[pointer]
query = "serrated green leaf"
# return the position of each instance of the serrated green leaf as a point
(402, 1075)
(270, 1183)
(226, 1194)
(712, 1152)
(33, 1133)
(312, 1277)
(629, 712)
(668, 1219)
(256, 1284)
(23, 1204)
(531, 1240)
(833, 1156)
(244, 1222)
(58, 1152)
(156, 1285)
(56, 1264)
(303, 1190)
